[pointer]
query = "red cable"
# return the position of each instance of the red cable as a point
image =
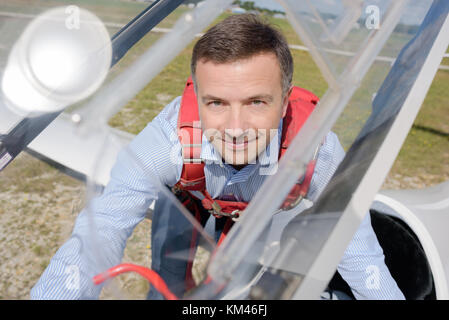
(152, 277)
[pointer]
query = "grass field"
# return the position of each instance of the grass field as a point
(38, 203)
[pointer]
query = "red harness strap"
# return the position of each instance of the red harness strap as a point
(191, 137)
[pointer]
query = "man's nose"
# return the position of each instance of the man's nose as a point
(236, 121)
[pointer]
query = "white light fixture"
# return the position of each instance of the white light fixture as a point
(62, 57)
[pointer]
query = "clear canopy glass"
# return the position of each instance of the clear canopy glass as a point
(355, 47)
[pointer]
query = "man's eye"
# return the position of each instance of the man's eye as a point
(215, 103)
(257, 102)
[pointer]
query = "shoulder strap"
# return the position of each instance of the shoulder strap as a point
(301, 105)
(190, 135)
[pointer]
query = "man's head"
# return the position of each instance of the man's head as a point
(242, 70)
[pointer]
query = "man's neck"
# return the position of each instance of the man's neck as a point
(236, 167)
(239, 167)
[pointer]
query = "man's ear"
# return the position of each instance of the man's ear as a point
(285, 101)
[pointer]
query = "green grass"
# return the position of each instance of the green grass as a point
(426, 149)
(108, 10)
(151, 100)
(36, 178)
(116, 11)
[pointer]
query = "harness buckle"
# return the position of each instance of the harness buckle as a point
(235, 215)
(216, 208)
(176, 189)
(217, 211)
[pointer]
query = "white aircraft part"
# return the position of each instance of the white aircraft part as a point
(429, 223)
(60, 143)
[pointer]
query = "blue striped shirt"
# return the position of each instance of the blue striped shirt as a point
(153, 159)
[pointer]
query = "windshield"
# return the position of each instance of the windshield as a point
(98, 186)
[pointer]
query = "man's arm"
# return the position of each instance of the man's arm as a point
(362, 266)
(103, 227)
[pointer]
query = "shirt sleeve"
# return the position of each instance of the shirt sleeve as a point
(102, 228)
(363, 263)
(363, 267)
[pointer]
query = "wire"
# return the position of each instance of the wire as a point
(152, 277)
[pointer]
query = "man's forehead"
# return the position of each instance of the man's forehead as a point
(247, 74)
(267, 57)
(265, 53)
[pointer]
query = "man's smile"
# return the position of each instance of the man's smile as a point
(238, 144)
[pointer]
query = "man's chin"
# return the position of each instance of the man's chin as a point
(238, 159)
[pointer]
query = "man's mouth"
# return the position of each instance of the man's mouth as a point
(238, 145)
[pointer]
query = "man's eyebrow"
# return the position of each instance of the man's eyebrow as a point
(267, 97)
(209, 97)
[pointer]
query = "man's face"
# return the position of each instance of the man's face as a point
(240, 105)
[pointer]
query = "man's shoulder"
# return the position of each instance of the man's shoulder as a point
(160, 134)
(331, 150)
(169, 114)
(330, 154)
(157, 146)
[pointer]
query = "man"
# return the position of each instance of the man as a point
(242, 71)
